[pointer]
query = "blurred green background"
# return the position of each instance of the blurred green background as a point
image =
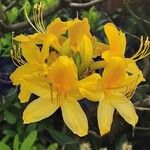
(133, 17)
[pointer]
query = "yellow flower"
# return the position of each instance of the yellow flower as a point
(117, 42)
(31, 68)
(77, 30)
(50, 36)
(115, 90)
(62, 90)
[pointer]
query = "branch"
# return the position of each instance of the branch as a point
(10, 5)
(85, 5)
(142, 128)
(133, 14)
(142, 108)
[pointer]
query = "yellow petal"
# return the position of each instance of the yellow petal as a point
(107, 55)
(126, 109)
(83, 28)
(31, 53)
(31, 78)
(63, 74)
(49, 39)
(105, 116)
(57, 27)
(86, 52)
(133, 69)
(114, 72)
(65, 49)
(99, 47)
(36, 38)
(74, 117)
(39, 109)
(117, 39)
(24, 94)
(39, 86)
(21, 38)
(91, 88)
(27, 72)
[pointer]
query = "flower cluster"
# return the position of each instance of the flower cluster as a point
(57, 64)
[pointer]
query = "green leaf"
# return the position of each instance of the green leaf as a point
(53, 146)
(10, 118)
(3, 146)
(16, 143)
(59, 136)
(29, 141)
(12, 14)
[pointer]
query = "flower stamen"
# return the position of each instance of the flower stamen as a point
(37, 17)
(143, 50)
(16, 54)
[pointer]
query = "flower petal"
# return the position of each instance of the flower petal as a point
(31, 53)
(86, 52)
(57, 27)
(133, 69)
(39, 86)
(24, 94)
(74, 117)
(91, 88)
(126, 109)
(65, 67)
(114, 72)
(117, 39)
(26, 71)
(83, 28)
(39, 109)
(105, 116)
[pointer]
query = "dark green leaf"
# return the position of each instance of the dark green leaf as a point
(3, 146)
(16, 142)
(10, 118)
(53, 146)
(29, 141)
(59, 136)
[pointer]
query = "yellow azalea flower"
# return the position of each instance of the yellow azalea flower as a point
(77, 30)
(117, 42)
(62, 90)
(49, 36)
(32, 67)
(85, 53)
(115, 90)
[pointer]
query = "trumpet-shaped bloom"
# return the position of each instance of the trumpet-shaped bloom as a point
(77, 30)
(117, 42)
(48, 37)
(63, 92)
(32, 67)
(115, 89)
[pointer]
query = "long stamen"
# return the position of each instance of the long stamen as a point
(16, 54)
(40, 17)
(26, 15)
(131, 88)
(128, 89)
(143, 51)
(37, 17)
